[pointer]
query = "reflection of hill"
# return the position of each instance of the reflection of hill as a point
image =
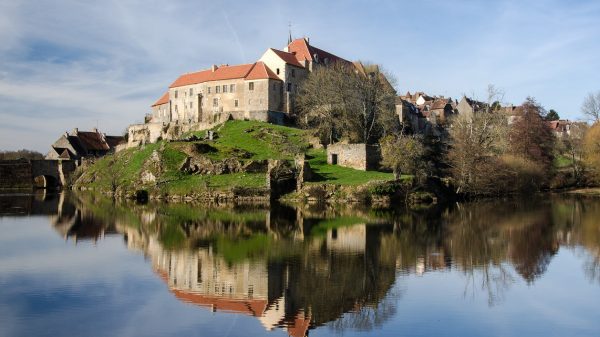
(298, 269)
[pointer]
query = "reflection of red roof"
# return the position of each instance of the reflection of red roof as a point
(288, 58)
(300, 327)
(221, 73)
(164, 99)
(304, 51)
(252, 307)
(261, 71)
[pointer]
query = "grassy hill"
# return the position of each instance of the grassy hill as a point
(242, 140)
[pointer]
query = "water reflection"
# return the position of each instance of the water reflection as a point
(301, 268)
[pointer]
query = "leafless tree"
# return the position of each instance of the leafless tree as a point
(344, 101)
(591, 106)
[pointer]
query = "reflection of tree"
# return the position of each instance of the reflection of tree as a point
(482, 235)
(309, 277)
(368, 317)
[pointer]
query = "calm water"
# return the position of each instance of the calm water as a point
(84, 266)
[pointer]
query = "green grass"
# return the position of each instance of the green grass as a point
(245, 140)
(561, 161)
(338, 175)
(184, 184)
(258, 139)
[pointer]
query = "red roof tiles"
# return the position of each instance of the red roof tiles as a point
(164, 99)
(304, 51)
(288, 58)
(261, 71)
(221, 73)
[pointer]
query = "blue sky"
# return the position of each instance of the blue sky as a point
(82, 63)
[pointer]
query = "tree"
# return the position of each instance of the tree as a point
(591, 106)
(475, 140)
(530, 136)
(591, 150)
(552, 115)
(571, 145)
(344, 101)
(402, 154)
(20, 154)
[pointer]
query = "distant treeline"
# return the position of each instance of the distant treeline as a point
(20, 154)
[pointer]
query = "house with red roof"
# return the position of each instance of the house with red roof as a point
(263, 91)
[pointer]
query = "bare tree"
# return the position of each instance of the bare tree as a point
(403, 154)
(475, 140)
(347, 101)
(591, 106)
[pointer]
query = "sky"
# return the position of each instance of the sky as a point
(101, 63)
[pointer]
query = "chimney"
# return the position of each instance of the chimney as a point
(95, 130)
(214, 68)
(74, 132)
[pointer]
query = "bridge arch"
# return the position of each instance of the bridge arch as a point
(46, 181)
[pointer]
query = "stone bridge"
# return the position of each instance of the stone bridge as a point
(27, 174)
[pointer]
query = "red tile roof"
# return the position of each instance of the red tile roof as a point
(221, 73)
(288, 58)
(162, 100)
(261, 71)
(92, 141)
(304, 51)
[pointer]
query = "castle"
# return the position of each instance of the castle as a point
(263, 91)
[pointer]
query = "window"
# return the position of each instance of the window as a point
(293, 72)
(191, 91)
(250, 86)
(208, 89)
(236, 103)
(224, 88)
(277, 71)
(232, 88)
(289, 87)
(175, 93)
(215, 102)
(217, 89)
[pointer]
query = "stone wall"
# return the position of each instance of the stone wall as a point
(357, 156)
(15, 174)
(21, 173)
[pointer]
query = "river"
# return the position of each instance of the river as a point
(83, 265)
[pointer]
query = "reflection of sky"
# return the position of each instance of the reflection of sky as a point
(52, 287)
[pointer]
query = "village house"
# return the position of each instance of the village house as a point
(264, 90)
(560, 128)
(83, 144)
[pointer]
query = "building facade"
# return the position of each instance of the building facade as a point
(264, 90)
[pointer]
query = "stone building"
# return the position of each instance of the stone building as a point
(264, 90)
(83, 144)
(357, 156)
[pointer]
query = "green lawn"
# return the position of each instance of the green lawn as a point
(258, 140)
(334, 174)
(245, 140)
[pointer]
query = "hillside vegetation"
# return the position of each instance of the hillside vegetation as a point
(158, 167)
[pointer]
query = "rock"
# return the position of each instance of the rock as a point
(148, 177)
